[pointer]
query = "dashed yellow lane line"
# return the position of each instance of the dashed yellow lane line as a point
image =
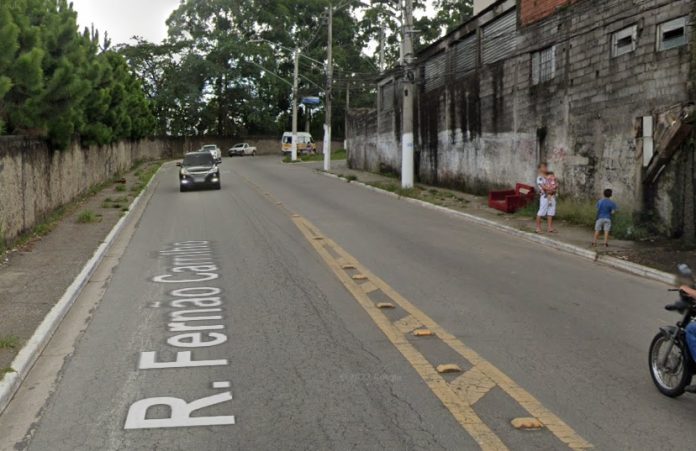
(463, 412)
(459, 395)
(485, 377)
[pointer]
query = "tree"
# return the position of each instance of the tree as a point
(60, 84)
(23, 68)
(450, 14)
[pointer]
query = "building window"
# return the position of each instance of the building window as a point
(624, 41)
(543, 65)
(672, 34)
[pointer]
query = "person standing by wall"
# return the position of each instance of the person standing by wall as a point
(547, 200)
(605, 210)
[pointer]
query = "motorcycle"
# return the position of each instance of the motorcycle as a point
(671, 363)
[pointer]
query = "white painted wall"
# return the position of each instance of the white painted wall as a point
(480, 5)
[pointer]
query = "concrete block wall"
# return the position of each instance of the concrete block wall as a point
(492, 126)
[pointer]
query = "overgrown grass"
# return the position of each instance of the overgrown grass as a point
(145, 176)
(625, 225)
(6, 370)
(432, 195)
(120, 187)
(340, 154)
(9, 342)
(398, 190)
(88, 217)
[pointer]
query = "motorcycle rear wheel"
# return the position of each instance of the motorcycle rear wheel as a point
(672, 378)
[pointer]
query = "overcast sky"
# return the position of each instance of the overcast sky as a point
(124, 19)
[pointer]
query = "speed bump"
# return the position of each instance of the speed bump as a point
(527, 424)
(422, 333)
(448, 368)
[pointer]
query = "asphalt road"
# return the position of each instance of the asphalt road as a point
(293, 361)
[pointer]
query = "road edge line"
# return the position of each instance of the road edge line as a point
(27, 356)
(613, 262)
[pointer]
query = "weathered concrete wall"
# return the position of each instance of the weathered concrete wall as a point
(362, 139)
(35, 180)
(485, 121)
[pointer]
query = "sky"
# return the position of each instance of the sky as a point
(124, 19)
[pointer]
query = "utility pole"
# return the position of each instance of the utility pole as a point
(407, 154)
(345, 127)
(296, 76)
(329, 81)
(381, 49)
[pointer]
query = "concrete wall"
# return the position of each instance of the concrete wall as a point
(491, 124)
(35, 180)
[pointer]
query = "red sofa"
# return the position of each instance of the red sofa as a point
(509, 201)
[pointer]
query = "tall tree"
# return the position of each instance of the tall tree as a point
(9, 34)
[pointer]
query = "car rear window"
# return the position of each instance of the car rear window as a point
(199, 159)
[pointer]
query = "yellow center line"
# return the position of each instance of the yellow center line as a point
(458, 396)
(462, 412)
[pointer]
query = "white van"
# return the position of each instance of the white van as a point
(305, 143)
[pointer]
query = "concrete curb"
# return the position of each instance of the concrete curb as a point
(613, 262)
(28, 355)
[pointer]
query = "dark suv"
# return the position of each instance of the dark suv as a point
(199, 169)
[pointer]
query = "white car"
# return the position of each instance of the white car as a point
(214, 151)
(241, 149)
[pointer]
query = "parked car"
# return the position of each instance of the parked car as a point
(305, 143)
(214, 151)
(241, 149)
(199, 169)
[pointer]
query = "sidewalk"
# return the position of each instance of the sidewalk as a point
(34, 276)
(661, 254)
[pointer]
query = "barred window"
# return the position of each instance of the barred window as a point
(543, 65)
(624, 41)
(672, 34)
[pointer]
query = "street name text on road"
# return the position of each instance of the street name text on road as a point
(198, 306)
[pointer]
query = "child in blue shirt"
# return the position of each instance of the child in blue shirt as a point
(605, 210)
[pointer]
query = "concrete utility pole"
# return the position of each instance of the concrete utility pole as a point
(407, 154)
(329, 81)
(345, 127)
(296, 76)
(381, 49)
